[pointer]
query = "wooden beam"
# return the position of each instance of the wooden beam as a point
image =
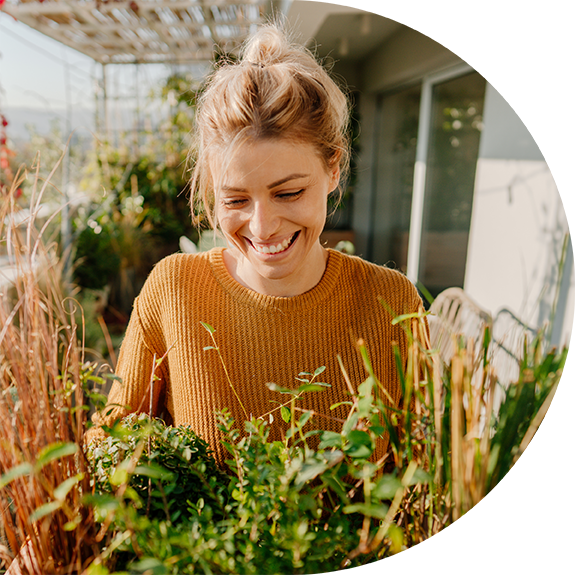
(74, 23)
(70, 6)
(55, 34)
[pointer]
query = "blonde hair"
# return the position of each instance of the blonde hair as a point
(276, 89)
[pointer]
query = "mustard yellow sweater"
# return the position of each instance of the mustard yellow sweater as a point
(261, 338)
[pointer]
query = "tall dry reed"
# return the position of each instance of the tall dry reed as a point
(44, 476)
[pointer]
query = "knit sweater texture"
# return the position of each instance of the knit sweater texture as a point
(261, 339)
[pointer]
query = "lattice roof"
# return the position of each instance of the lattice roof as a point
(142, 31)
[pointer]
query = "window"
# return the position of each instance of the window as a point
(455, 129)
(396, 147)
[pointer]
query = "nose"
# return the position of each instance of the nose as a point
(264, 219)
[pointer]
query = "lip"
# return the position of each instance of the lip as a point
(295, 237)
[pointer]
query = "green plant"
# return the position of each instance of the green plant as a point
(97, 260)
(174, 471)
(284, 509)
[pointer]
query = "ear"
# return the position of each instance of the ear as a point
(334, 174)
(334, 171)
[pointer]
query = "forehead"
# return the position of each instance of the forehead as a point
(263, 161)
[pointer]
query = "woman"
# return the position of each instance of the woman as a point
(272, 146)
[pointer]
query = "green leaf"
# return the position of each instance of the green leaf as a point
(386, 487)
(420, 476)
(337, 487)
(121, 475)
(45, 509)
(209, 347)
(73, 524)
(395, 535)
(102, 502)
(330, 439)
(319, 370)
(15, 473)
(405, 316)
(377, 511)
(311, 387)
(208, 327)
(359, 444)
(365, 390)
(99, 569)
(310, 471)
(349, 424)
(286, 414)
(275, 387)
(96, 569)
(336, 405)
(304, 418)
(54, 451)
(150, 566)
(64, 488)
(154, 471)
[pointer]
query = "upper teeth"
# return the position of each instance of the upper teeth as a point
(273, 249)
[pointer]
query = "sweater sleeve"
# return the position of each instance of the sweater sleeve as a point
(142, 367)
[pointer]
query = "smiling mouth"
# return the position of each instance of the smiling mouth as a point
(275, 248)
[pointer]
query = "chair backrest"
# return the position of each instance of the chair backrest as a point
(454, 313)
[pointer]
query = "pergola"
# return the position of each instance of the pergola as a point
(143, 31)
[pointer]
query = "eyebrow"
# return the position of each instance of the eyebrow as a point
(287, 179)
(270, 186)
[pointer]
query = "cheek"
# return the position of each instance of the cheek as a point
(229, 222)
(227, 225)
(313, 216)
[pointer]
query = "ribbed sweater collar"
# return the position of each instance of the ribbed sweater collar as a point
(303, 301)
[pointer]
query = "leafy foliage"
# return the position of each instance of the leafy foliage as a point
(97, 260)
(173, 474)
(283, 509)
(140, 206)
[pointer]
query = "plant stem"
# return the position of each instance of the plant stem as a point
(228, 375)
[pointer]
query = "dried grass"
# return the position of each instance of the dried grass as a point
(43, 470)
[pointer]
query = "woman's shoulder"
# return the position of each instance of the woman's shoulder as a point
(179, 266)
(176, 271)
(175, 262)
(356, 265)
(383, 282)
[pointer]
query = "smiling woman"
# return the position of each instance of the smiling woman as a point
(271, 210)
(272, 146)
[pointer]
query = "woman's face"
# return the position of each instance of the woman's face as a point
(271, 206)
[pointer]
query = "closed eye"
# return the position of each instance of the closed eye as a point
(290, 195)
(233, 203)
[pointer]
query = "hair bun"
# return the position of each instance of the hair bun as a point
(269, 45)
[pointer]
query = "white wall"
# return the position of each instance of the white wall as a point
(518, 225)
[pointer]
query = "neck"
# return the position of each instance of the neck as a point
(293, 285)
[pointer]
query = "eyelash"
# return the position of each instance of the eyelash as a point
(291, 194)
(232, 202)
(286, 196)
